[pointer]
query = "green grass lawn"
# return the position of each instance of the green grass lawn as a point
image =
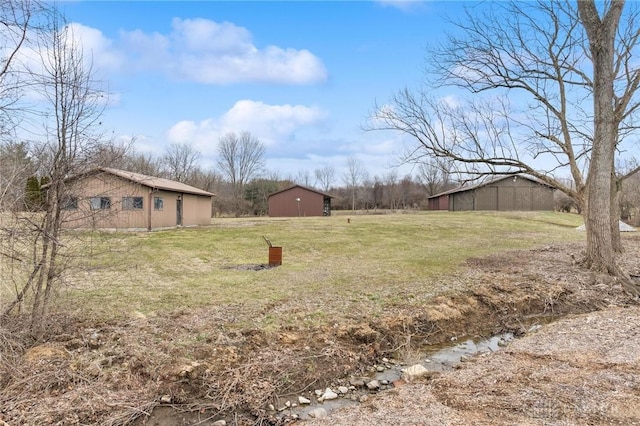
(330, 267)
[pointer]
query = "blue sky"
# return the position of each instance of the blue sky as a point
(300, 76)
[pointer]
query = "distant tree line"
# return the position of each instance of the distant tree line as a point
(242, 185)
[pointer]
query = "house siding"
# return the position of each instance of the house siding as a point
(114, 188)
(196, 209)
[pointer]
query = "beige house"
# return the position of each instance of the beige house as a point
(108, 198)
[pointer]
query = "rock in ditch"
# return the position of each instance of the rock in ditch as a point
(303, 401)
(329, 394)
(413, 372)
(373, 385)
(318, 413)
(357, 382)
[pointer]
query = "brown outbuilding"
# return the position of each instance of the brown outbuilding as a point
(106, 198)
(503, 193)
(299, 201)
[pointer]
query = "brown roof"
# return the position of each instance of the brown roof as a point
(303, 187)
(149, 181)
(156, 182)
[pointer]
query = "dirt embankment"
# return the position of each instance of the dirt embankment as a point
(200, 366)
(581, 370)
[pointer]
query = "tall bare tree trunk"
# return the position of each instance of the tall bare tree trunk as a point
(601, 34)
(47, 274)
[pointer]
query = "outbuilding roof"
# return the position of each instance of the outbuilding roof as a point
(149, 181)
(488, 182)
(303, 187)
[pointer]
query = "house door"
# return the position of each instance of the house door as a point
(179, 211)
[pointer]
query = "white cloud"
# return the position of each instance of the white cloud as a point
(208, 52)
(404, 5)
(98, 49)
(272, 124)
(146, 145)
(98, 58)
(203, 35)
(272, 121)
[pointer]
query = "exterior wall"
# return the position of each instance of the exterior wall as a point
(196, 209)
(164, 216)
(284, 204)
(439, 203)
(105, 185)
(542, 198)
(460, 201)
(522, 194)
(505, 195)
(486, 198)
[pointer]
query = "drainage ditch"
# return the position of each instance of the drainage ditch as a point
(388, 374)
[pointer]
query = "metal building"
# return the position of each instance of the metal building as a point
(299, 201)
(504, 193)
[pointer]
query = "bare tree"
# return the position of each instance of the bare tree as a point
(113, 153)
(16, 166)
(435, 175)
(537, 66)
(240, 159)
(18, 21)
(601, 32)
(303, 177)
(325, 176)
(354, 175)
(70, 111)
(207, 180)
(377, 192)
(393, 193)
(180, 161)
(137, 162)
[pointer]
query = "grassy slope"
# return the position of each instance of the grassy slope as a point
(330, 267)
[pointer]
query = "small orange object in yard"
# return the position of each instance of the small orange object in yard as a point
(275, 256)
(275, 253)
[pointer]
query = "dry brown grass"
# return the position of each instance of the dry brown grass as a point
(330, 266)
(582, 369)
(241, 339)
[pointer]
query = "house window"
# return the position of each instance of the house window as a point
(100, 203)
(131, 203)
(70, 203)
(158, 203)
